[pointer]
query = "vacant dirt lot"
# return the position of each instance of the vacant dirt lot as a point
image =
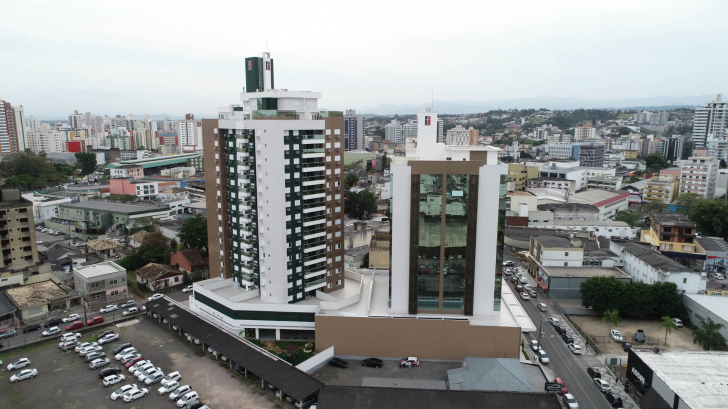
(679, 340)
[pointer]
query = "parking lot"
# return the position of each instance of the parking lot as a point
(65, 378)
(353, 375)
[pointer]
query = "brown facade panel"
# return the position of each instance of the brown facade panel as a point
(216, 204)
(445, 166)
(425, 339)
(332, 190)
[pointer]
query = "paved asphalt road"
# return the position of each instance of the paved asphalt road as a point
(567, 366)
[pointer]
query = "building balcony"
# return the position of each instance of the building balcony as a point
(315, 259)
(312, 285)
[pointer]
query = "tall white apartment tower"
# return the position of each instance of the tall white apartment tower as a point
(274, 165)
(353, 131)
(189, 131)
(710, 120)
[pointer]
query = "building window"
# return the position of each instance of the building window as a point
(113, 282)
(566, 264)
(94, 285)
(685, 280)
(566, 254)
(35, 310)
(114, 293)
(95, 296)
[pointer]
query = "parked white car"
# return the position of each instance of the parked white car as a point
(108, 338)
(20, 363)
(168, 387)
(113, 379)
(188, 398)
(138, 364)
(130, 311)
(24, 374)
(122, 391)
(109, 308)
(678, 322)
(124, 352)
(171, 377)
(83, 345)
(155, 297)
(51, 331)
(142, 368)
(135, 394)
(179, 392)
(71, 336)
(187, 289)
(616, 335)
(71, 318)
(534, 345)
(574, 348)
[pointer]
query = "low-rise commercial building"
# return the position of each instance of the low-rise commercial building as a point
(716, 253)
(644, 264)
(45, 207)
(127, 171)
(565, 282)
(608, 202)
(679, 380)
(100, 284)
(99, 214)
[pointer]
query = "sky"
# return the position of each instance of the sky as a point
(159, 57)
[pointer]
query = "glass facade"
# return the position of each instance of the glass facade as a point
(502, 205)
(442, 240)
(430, 249)
(455, 246)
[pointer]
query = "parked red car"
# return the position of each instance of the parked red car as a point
(95, 320)
(133, 361)
(74, 325)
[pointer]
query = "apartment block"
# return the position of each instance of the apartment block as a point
(12, 128)
(189, 131)
(698, 175)
(710, 120)
(353, 131)
(662, 188)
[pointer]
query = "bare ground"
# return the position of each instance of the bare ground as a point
(680, 339)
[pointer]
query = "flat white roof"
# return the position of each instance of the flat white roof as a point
(699, 378)
(715, 304)
(99, 269)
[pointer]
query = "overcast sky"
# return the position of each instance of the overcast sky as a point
(175, 57)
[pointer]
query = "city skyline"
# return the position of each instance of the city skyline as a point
(497, 52)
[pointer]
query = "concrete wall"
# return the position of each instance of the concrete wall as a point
(425, 339)
(317, 361)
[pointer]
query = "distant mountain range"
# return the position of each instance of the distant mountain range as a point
(466, 107)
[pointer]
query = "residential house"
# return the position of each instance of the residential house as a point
(674, 235)
(104, 248)
(157, 276)
(100, 284)
(189, 259)
(35, 301)
(136, 239)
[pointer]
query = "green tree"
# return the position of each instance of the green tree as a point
(667, 299)
(86, 162)
(526, 155)
(601, 293)
(669, 325)
(708, 335)
(686, 200)
(624, 131)
(152, 250)
(360, 205)
(193, 233)
(655, 160)
(612, 317)
(350, 180)
(507, 159)
(379, 132)
(123, 198)
(653, 206)
(711, 217)
(723, 164)
(631, 217)
(365, 261)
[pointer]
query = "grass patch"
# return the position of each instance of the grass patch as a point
(279, 349)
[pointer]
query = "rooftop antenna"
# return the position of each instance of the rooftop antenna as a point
(432, 102)
(266, 42)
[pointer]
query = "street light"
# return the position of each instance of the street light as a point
(540, 331)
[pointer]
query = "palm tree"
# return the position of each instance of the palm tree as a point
(709, 336)
(669, 325)
(613, 317)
